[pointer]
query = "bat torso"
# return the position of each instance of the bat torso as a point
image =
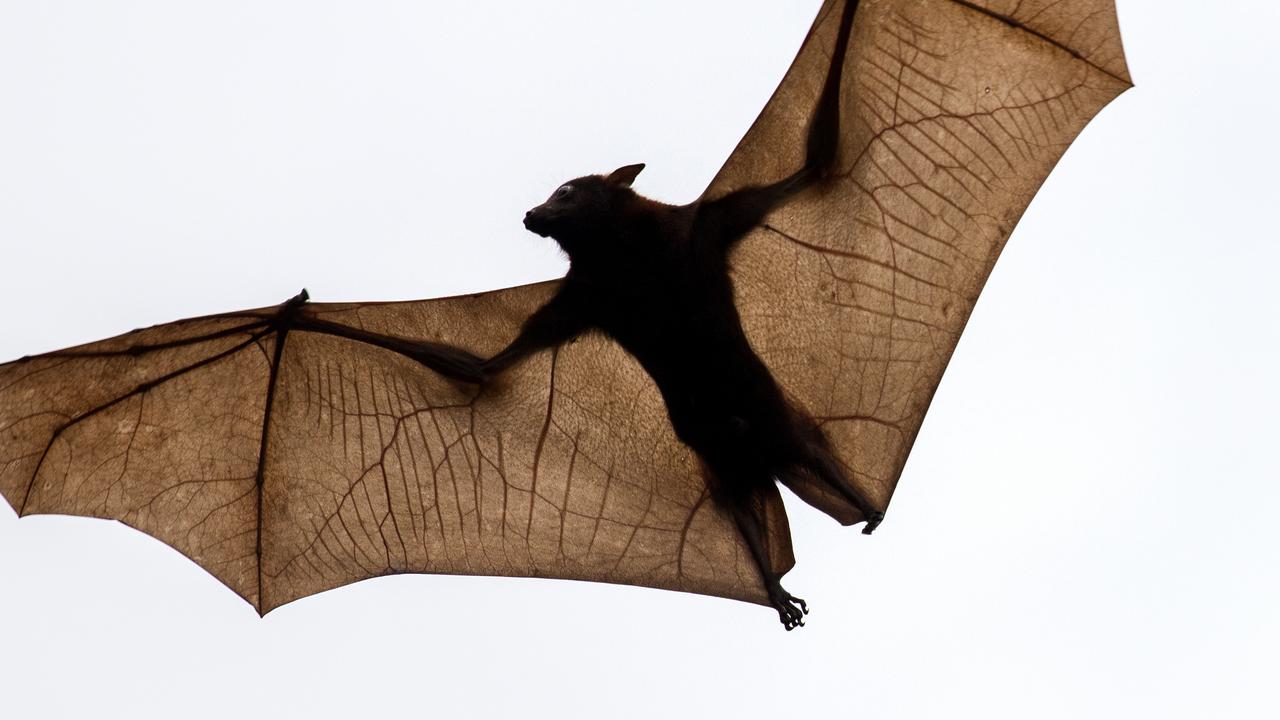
(665, 295)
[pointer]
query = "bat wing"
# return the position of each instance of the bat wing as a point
(952, 115)
(287, 461)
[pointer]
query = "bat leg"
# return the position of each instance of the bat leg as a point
(791, 609)
(819, 461)
(749, 505)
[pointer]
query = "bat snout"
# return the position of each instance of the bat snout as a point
(536, 222)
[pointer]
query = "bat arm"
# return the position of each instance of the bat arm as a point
(519, 349)
(450, 361)
(555, 323)
(735, 214)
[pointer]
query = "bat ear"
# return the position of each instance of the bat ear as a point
(626, 175)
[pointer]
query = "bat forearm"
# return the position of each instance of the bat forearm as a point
(824, 127)
(450, 361)
(534, 337)
(823, 142)
(734, 215)
(510, 355)
(558, 321)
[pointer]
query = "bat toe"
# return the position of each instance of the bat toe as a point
(791, 609)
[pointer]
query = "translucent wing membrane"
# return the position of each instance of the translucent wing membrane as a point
(953, 114)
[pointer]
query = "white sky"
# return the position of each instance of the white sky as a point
(1086, 527)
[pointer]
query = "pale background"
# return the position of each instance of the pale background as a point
(1085, 528)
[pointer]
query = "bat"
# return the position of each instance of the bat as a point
(294, 449)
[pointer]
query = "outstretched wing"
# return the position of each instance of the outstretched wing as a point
(287, 461)
(953, 113)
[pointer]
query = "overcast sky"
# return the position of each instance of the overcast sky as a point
(1087, 524)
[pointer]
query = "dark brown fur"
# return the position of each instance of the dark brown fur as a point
(655, 278)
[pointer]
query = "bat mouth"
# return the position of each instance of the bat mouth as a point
(536, 224)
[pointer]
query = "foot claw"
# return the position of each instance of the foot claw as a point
(791, 609)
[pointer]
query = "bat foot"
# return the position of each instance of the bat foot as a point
(791, 609)
(874, 519)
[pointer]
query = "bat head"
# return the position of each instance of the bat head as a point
(583, 209)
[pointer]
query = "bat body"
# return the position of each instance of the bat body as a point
(655, 279)
(790, 325)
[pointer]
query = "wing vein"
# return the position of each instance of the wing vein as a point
(141, 388)
(1011, 22)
